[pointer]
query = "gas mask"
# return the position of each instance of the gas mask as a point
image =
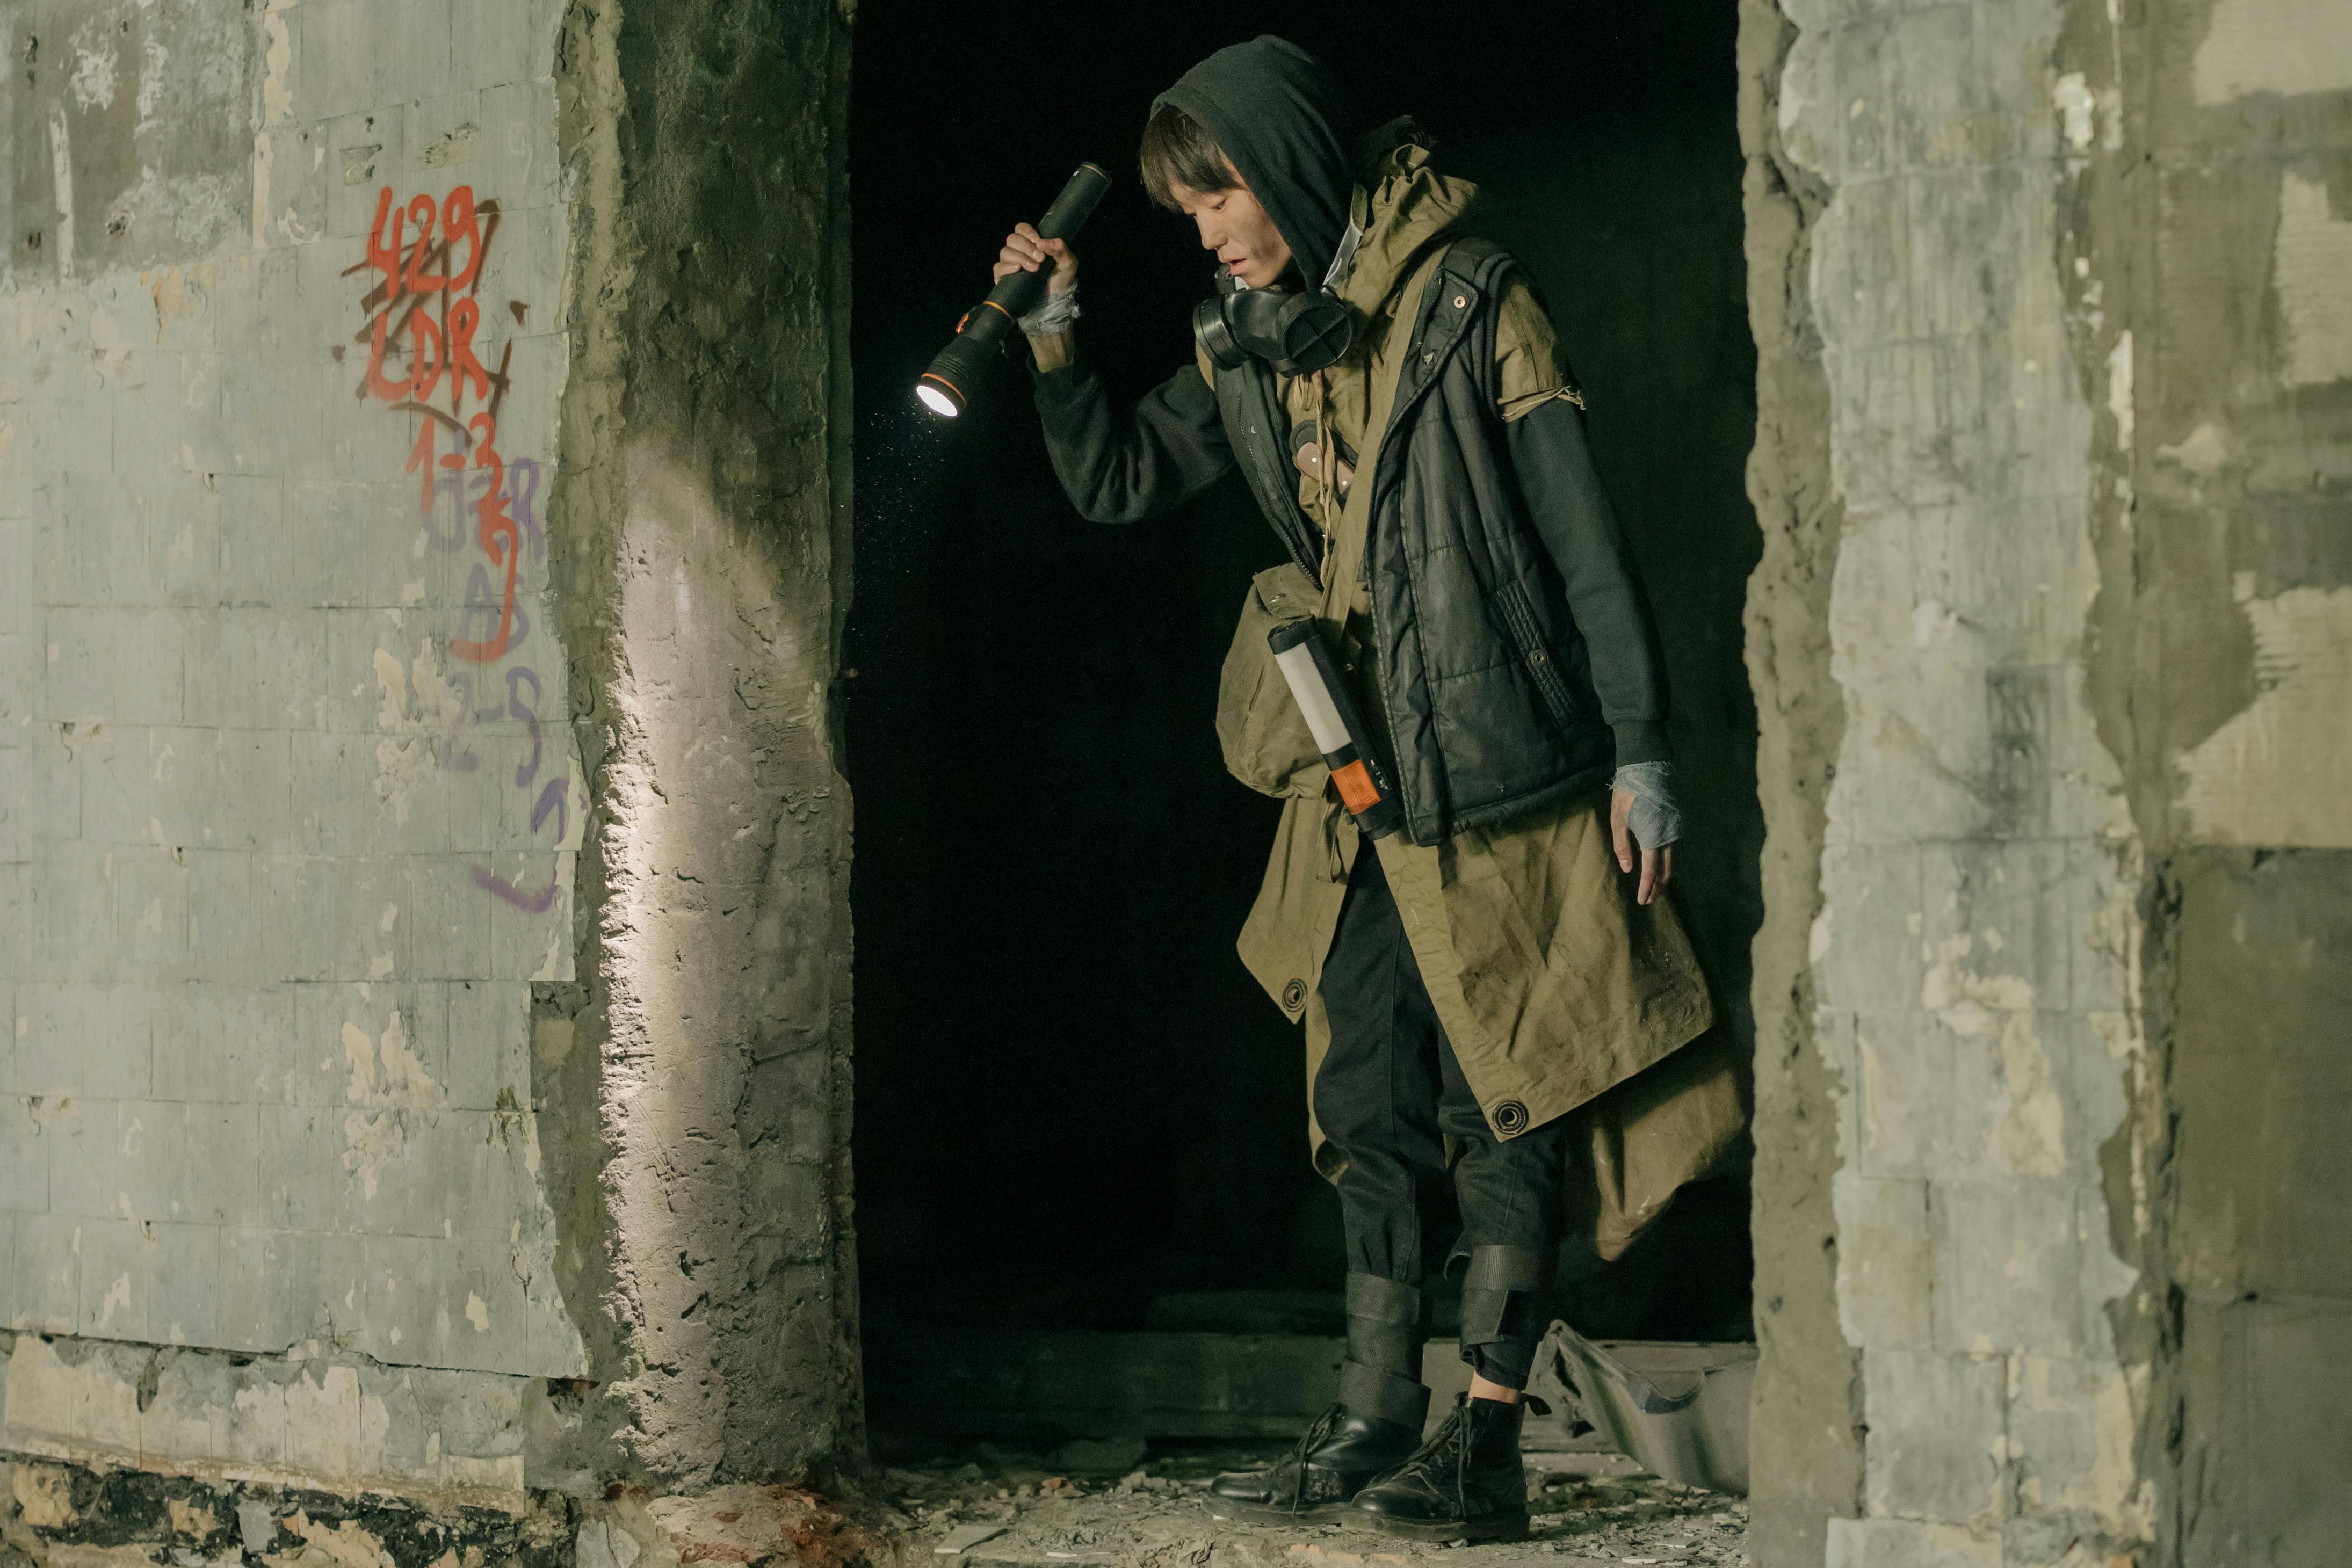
(1297, 333)
(1294, 333)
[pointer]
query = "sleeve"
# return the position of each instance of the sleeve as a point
(1578, 530)
(1165, 450)
(1527, 363)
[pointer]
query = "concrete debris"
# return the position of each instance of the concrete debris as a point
(257, 1527)
(964, 1537)
(1587, 1508)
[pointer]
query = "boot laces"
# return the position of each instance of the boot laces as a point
(1450, 1443)
(1307, 1444)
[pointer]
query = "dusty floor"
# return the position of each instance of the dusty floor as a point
(1051, 1512)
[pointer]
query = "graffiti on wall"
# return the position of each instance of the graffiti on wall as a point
(424, 337)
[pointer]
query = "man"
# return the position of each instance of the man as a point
(1496, 992)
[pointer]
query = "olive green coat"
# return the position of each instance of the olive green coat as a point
(1559, 994)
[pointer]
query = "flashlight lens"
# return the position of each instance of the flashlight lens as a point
(935, 399)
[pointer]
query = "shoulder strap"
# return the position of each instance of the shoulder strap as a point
(1482, 264)
(1255, 423)
(1348, 544)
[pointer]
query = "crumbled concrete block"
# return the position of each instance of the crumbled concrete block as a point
(257, 1527)
(1885, 1300)
(1937, 1443)
(1909, 1543)
(2009, 1267)
(262, 799)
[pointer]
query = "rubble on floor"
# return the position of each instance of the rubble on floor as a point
(1112, 1503)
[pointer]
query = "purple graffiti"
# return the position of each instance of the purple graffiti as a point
(525, 503)
(515, 679)
(550, 800)
(537, 903)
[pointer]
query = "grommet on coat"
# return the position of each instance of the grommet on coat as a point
(1294, 996)
(1460, 300)
(1510, 1118)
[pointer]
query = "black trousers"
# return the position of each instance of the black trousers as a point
(1388, 1094)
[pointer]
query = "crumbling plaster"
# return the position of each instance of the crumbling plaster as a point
(1971, 1027)
(705, 577)
(2074, 584)
(429, 998)
(2227, 683)
(284, 841)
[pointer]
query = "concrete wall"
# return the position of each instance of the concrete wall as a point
(425, 1082)
(421, 941)
(2049, 662)
(705, 495)
(292, 808)
(2234, 639)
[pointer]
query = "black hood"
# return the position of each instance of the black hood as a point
(1276, 112)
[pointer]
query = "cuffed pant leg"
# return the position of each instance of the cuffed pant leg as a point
(1377, 1092)
(1512, 1211)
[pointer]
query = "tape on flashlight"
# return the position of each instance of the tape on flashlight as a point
(1355, 782)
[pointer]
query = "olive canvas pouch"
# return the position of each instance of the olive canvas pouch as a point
(1265, 739)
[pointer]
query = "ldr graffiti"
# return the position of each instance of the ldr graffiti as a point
(425, 325)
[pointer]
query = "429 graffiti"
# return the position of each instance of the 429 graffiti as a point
(425, 264)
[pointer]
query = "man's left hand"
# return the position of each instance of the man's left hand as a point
(1657, 865)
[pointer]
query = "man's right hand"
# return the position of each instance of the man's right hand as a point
(1025, 252)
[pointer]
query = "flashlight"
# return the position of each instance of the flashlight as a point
(1338, 726)
(955, 375)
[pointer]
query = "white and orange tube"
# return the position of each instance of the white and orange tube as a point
(1336, 725)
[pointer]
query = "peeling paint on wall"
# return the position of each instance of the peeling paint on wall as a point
(1981, 411)
(2312, 266)
(318, 1422)
(2274, 45)
(2277, 773)
(278, 1031)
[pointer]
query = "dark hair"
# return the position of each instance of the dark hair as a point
(1179, 150)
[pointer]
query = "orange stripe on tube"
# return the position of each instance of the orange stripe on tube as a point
(1355, 782)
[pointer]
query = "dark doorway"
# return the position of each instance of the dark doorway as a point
(1072, 1102)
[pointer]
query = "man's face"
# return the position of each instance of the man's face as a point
(1236, 228)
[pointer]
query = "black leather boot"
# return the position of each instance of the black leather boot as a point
(1339, 1453)
(1464, 1484)
(1375, 1425)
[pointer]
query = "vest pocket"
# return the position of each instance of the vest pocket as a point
(1541, 664)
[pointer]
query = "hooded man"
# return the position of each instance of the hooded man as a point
(1496, 994)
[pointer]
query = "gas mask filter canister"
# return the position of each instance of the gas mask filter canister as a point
(1336, 725)
(1294, 333)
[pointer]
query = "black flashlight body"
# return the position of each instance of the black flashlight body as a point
(954, 377)
(1332, 717)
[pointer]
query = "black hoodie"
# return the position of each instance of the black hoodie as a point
(1545, 668)
(1277, 113)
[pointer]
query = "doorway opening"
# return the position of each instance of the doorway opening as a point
(1076, 1113)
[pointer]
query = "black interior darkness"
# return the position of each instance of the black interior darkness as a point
(1072, 1101)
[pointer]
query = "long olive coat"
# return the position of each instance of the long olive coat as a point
(1558, 993)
